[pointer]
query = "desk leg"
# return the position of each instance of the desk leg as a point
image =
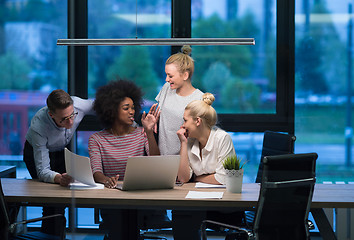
(323, 224)
(131, 225)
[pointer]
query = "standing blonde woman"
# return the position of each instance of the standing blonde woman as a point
(174, 96)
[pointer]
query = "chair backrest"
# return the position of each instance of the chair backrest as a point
(4, 216)
(285, 197)
(275, 143)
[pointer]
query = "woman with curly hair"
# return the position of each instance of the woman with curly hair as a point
(117, 105)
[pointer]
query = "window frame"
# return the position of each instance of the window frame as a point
(282, 120)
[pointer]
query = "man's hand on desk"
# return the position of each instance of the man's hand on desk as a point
(63, 179)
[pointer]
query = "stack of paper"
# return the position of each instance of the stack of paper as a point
(79, 168)
(80, 185)
(200, 195)
(206, 185)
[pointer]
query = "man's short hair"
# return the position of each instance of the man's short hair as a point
(58, 99)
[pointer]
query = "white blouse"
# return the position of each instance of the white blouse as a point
(218, 147)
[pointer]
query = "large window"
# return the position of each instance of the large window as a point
(31, 67)
(125, 19)
(253, 91)
(242, 78)
(323, 86)
(297, 78)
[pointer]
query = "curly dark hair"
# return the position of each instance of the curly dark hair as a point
(109, 96)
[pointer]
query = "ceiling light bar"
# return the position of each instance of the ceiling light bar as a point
(156, 41)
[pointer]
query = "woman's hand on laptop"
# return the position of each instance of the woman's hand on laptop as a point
(111, 182)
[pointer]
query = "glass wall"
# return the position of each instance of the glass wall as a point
(243, 78)
(323, 90)
(124, 19)
(31, 67)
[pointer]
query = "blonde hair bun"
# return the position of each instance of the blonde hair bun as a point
(186, 49)
(208, 98)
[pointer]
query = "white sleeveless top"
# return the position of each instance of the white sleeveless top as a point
(172, 108)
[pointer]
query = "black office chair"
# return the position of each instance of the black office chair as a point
(275, 143)
(151, 226)
(8, 224)
(284, 200)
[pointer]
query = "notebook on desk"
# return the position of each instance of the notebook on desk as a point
(150, 172)
(79, 168)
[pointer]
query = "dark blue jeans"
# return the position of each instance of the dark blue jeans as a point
(186, 224)
(57, 163)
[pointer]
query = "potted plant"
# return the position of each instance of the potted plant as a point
(234, 173)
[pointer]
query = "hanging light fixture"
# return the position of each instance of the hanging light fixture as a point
(156, 41)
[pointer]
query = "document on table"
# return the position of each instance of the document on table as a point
(206, 185)
(201, 195)
(79, 168)
(79, 185)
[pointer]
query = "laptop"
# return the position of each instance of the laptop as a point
(150, 172)
(79, 168)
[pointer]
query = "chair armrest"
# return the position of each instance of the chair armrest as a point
(204, 223)
(291, 183)
(13, 226)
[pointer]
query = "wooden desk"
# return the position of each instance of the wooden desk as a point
(34, 193)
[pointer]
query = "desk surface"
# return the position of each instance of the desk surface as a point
(32, 192)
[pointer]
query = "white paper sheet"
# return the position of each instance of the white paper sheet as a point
(201, 195)
(206, 185)
(79, 168)
(82, 186)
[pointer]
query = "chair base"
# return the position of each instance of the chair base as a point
(35, 236)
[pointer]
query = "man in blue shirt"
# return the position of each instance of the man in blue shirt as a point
(50, 132)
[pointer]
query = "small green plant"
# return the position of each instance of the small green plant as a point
(233, 162)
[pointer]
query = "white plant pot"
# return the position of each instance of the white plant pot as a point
(233, 180)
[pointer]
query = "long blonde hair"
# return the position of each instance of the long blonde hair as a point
(183, 61)
(203, 109)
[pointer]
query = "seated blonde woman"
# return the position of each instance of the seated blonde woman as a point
(203, 149)
(203, 145)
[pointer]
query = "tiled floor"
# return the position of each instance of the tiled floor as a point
(94, 237)
(84, 236)
(100, 237)
(167, 234)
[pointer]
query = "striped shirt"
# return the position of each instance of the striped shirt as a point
(109, 153)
